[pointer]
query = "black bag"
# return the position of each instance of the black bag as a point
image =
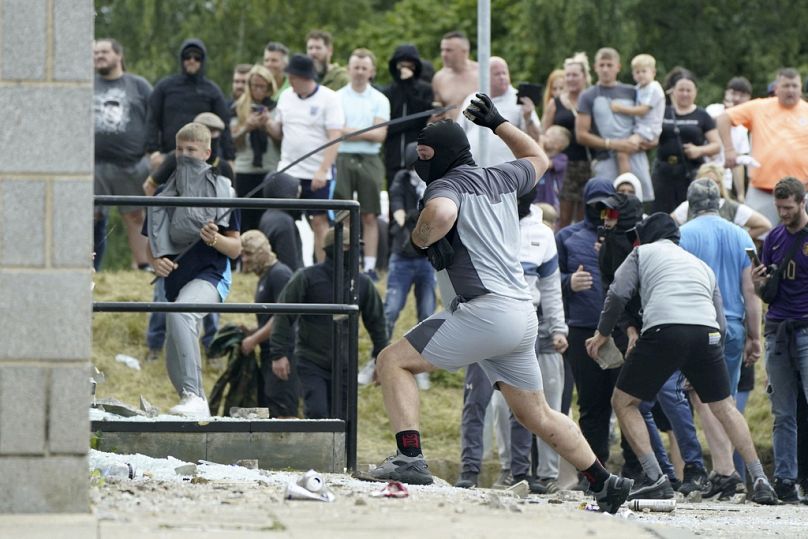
(768, 292)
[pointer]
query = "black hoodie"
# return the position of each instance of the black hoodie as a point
(176, 101)
(406, 97)
(279, 225)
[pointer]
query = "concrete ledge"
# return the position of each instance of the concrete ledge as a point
(64, 526)
(276, 444)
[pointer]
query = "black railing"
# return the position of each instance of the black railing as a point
(344, 310)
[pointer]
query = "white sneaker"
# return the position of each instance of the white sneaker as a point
(422, 379)
(365, 375)
(191, 405)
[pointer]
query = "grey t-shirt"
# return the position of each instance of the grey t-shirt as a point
(596, 102)
(486, 236)
(649, 126)
(120, 108)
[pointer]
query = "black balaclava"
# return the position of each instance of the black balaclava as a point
(282, 185)
(630, 209)
(451, 147)
(658, 226)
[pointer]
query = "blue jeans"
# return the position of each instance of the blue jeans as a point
(156, 330)
(734, 343)
(403, 273)
(674, 403)
(782, 369)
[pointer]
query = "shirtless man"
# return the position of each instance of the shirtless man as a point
(459, 76)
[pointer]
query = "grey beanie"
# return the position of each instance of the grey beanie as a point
(703, 196)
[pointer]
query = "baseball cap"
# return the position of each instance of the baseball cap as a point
(703, 196)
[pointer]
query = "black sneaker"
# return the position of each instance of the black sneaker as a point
(763, 493)
(614, 492)
(400, 467)
(647, 489)
(722, 486)
(467, 480)
(786, 490)
(694, 478)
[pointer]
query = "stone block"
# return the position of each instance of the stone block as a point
(22, 223)
(63, 526)
(46, 130)
(72, 40)
(72, 223)
(279, 450)
(44, 485)
(68, 422)
(187, 446)
(22, 410)
(49, 315)
(24, 39)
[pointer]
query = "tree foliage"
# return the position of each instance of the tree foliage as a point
(716, 40)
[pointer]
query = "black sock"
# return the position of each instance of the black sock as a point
(596, 475)
(409, 442)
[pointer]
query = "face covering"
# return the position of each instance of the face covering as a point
(451, 147)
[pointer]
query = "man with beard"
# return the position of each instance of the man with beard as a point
(469, 230)
(280, 396)
(121, 104)
(320, 48)
(312, 342)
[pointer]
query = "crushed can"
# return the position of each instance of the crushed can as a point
(657, 506)
(311, 486)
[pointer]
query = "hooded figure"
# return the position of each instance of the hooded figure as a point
(407, 96)
(615, 243)
(655, 227)
(178, 99)
(279, 225)
(451, 147)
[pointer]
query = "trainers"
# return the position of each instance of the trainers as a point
(647, 489)
(153, 355)
(422, 379)
(400, 467)
(191, 405)
(467, 480)
(723, 486)
(544, 485)
(694, 478)
(504, 480)
(614, 492)
(763, 493)
(583, 484)
(365, 375)
(786, 490)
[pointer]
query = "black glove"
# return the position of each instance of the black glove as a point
(440, 254)
(482, 112)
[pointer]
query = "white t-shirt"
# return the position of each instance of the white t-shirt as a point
(305, 122)
(741, 216)
(740, 139)
(360, 109)
(498, 151)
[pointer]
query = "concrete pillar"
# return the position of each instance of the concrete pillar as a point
(46, 164)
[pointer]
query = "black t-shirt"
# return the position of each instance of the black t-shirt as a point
(268, 290)
(121, 107)
(284, 237)
(692, 128)
(566, 118)
(163, 173)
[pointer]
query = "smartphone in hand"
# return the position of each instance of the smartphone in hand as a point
(753, 256)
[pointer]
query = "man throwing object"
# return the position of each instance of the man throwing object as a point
(469, 229)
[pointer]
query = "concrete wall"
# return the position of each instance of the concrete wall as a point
(46, 164)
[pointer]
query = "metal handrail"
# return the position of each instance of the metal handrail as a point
(341, 308)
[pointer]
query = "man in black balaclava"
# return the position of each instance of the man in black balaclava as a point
(682, 329)
(469, 228)
(278, 225)
(178, 99)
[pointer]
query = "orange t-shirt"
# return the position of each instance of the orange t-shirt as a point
(779, 139)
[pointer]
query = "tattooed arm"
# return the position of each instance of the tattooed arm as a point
(436, 219)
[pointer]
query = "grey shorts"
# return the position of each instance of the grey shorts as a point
(497, 333)
(116, 180)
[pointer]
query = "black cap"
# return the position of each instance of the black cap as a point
(301, 65)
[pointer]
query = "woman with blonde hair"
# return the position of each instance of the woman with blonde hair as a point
(562, 110)
(256, 152)
(742, 215)
(554, 86)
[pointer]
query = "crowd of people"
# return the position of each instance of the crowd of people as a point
(618, 244)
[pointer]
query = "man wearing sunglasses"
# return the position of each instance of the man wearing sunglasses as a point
(178, 99)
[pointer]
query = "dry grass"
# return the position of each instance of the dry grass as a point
(441, 406)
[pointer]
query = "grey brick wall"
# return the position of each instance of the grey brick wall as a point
(46, 164)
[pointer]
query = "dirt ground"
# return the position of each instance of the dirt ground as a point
(229, 501)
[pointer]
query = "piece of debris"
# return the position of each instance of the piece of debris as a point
(150, 409)
(129, 361)
(199, 480)
(493, 501)
(694, 497)
(360, 501)
(393, 489)
(118, 471)
(186, 469)
(250, 464)
(249, 413)
(520, 489)
(311, 486)
(114, 406)
(665, 506)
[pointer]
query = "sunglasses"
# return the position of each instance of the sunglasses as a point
(609, 213)
(194, 57)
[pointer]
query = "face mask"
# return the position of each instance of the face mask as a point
(451, 147)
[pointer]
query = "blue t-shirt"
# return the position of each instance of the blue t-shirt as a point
(720, 244)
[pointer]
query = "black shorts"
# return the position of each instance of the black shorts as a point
(664, 349)
(323, 193)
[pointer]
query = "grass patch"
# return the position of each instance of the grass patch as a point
(115, 333)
